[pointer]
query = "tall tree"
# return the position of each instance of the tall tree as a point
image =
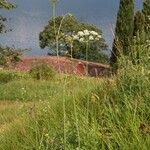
(8, 55)
(69, 25)
(139, 27)
(124, 29)
(146, 11)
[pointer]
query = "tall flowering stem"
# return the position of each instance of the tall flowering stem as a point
(87, 37)
(54, 22)
(87, 47)
(69, 39)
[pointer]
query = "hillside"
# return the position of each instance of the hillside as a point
(64, 65)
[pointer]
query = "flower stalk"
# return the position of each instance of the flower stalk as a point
(87, 37)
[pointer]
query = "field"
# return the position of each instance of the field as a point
(75, 112)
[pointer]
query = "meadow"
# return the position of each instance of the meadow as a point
(77, 112)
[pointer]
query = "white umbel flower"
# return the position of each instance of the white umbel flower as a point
(81, 40)
(99, 36)
(80, 33)
(94, 33)
(75, 37)
(91, 38)
(86, 32)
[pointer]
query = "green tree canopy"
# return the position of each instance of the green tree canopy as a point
(8, 55)
(6, 4)
(68, 25)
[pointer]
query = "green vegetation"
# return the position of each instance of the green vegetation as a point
(129, 33)
(67, 112)
(8, 55)
(54, 37)
(41, 71)
(6, 4)
(71, 112)
(124, 29)
(139, 25)
(7, 76)
(146, 11)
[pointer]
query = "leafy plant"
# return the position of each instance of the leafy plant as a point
(9, 75)
(124, 30)
(10, 56)
(41, 71)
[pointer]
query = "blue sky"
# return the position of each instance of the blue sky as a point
(30, 17)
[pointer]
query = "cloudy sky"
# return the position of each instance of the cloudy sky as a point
(30, 17)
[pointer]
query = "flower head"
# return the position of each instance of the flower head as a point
(86, 32)
(99, 36)
(91, 38)
(81, 40)
(93, 32)
(75, 37)
(80, 33)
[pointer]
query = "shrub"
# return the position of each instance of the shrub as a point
(9, 75)
(9, 56)
(41, 71)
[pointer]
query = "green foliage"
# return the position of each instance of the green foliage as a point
(80, 112)
(108, 114)
(124, 29)
(9, 75)
(139, 23)
(146, 11)
(146, 7)
(68, 25)
(2, 26)
(41, 71)
(6, 4)
(10, 56)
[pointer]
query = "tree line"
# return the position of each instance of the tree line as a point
(130, 28)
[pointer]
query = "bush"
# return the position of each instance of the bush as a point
(9, 75)
(41, 71)
(9, 56)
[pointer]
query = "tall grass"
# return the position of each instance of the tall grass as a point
(84, 113)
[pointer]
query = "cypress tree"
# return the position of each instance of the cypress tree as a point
(146, 11)
(139, 27)
(138, 36)
(124, 29)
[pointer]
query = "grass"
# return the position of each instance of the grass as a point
(82, 113)
(30, 90)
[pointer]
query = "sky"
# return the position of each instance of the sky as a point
(30, 17)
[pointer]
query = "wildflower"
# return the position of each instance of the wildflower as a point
(94, 33)
(86, 32)
(81, 40)
(97, 39)
(91, 38)
(75, 37)
(80, 33)
(99, 36)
